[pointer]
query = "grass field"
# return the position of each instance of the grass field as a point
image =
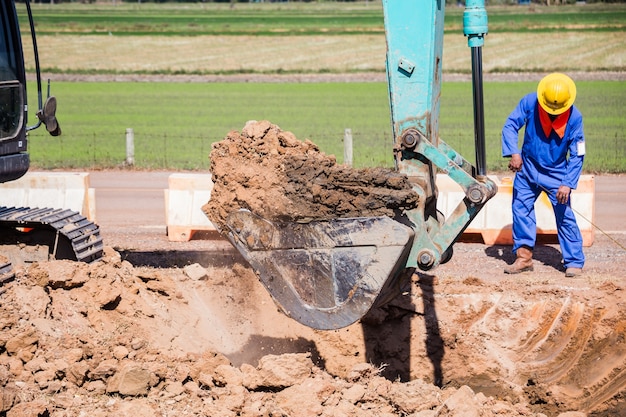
(209, 38)
(281, 19)
(175, 123)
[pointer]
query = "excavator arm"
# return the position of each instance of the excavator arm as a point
(328, 274)
(414, 33)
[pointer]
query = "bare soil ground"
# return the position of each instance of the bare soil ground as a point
(153, 330)
(597, 49)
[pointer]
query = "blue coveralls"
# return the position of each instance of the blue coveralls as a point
(545, 167)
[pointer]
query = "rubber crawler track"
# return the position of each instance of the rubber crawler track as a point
(83, 234)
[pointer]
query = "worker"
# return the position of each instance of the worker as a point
(550, 161)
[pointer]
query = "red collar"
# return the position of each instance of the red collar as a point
(558, 124)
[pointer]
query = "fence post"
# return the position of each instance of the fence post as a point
(130, 146)
(347, 147)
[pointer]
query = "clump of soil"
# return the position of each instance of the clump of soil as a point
(273, 174)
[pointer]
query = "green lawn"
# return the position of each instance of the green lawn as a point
(176, 123)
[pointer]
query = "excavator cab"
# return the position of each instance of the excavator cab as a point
(14, 161)
(328, 274)
(67, 234)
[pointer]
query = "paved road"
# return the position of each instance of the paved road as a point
(130, 208)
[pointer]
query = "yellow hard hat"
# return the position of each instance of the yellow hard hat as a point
(556, 93)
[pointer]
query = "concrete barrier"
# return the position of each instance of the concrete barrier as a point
(187, 193)
(62, 190)
(494, 221)
(184, 198)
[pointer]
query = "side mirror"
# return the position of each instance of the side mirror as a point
(47, 115)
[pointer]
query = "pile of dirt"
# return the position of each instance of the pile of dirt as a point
(113, 339)
(206, 339)
(271, 173)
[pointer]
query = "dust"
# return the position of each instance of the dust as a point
(273, 174)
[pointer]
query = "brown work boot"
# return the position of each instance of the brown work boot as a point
(573, 272)
(523, 263)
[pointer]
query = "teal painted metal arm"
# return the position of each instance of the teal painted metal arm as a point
(414, 33)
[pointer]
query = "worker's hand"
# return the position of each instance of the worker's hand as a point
(515, 164)
(562, 194)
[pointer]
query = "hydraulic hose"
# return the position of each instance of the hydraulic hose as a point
(479, 114)
(37, 68)
(475, 28)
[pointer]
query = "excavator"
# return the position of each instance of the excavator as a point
(66, 234)
(328, 274)
(325, 274)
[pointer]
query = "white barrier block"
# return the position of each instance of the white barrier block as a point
(187, 194)
(494, 221)
(184, 198)
(58, 190)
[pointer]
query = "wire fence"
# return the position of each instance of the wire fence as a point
(180, 152)
(168, 151)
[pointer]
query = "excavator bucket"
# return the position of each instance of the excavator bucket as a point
(324, 274)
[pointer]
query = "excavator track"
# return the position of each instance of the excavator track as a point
(69, 234)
